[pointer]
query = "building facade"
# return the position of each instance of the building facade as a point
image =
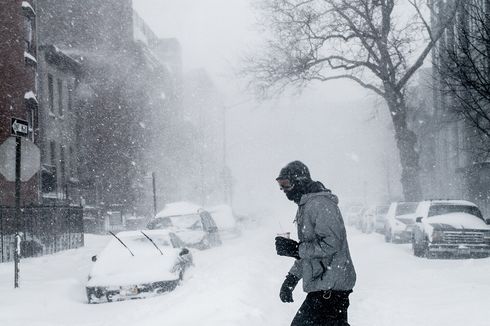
(204, 111)
(104, 96)
(119, 103)
(59, 77)
(18, 88)
(459, 170)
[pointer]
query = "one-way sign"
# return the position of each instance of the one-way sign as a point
(19, 127)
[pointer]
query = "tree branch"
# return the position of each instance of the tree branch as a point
(418, 63)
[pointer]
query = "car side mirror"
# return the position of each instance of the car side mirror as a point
(94, 258)
(418, 219)
(487, 220)
(184, 251)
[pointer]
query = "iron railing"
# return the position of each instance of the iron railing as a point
(43, 229)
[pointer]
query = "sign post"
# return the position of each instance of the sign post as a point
(19, 129)
(18, 145)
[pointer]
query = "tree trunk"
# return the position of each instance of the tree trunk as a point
(405, 140)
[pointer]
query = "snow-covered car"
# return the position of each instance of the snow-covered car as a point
(191, 223)
(225, 221)
(380, 218)
(137, 264)
(450, 228)
(368, 220)
(353, 214)
(373, 219)
(400, 221)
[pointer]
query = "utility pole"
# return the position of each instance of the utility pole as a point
(154, 194)
(225, 177)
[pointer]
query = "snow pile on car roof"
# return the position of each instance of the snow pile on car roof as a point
(459, 220)
(223, 216)
(179, 208)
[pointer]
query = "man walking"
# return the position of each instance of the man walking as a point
(322, 254)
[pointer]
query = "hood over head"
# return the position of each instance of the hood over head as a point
(299, 176)
(294, 171)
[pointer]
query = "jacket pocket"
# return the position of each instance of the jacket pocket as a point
(319, 268)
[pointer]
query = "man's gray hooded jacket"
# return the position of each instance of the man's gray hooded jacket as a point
(325, 262)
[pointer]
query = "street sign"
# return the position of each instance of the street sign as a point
(19, 127)
(30, 159)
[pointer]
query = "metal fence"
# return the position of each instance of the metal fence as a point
(43, 229)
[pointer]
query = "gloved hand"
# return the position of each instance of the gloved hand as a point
(286, 292)
(287, 247)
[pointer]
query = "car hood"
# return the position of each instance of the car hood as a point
(456, 221)
(190, 237)
(117, 270)
(407, 219)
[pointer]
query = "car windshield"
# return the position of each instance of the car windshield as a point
(160, 223)
(142, 241)
(191, 221)
(406, 208)
(354, 209)
(435, 210)
(139, 244)
(382, 210)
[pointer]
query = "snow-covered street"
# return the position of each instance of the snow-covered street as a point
(238, 283)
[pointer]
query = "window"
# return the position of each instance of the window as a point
(63, 184)
(52, 152)
(73, 162)
(70, 97)
(50, 93)
(60, 97)
(48, 179)
(62, 164)
(406, 208)
(28, 31)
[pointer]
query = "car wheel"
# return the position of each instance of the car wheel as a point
(181, 275)
(422, 250)
(417, 250)
(369, 228)
(426, 252)
(388, 237)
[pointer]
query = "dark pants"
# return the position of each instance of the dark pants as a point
(323, 308)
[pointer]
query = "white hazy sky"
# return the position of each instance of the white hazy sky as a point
(328, 126)
(212, 32)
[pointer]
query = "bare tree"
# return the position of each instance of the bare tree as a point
(371, 42)
(464, 73)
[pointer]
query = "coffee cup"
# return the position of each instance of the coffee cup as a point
(286, 235)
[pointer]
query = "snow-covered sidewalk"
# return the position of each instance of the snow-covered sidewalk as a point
(238, 284)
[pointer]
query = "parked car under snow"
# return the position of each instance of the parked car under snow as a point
(399, 222)
(137, 264)
(450, 228)
(192, 224)
(353, 214)
(225, 221)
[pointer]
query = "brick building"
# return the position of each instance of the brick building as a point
(18, 89)
(59, 76)
(124, 103)
(456, 168)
